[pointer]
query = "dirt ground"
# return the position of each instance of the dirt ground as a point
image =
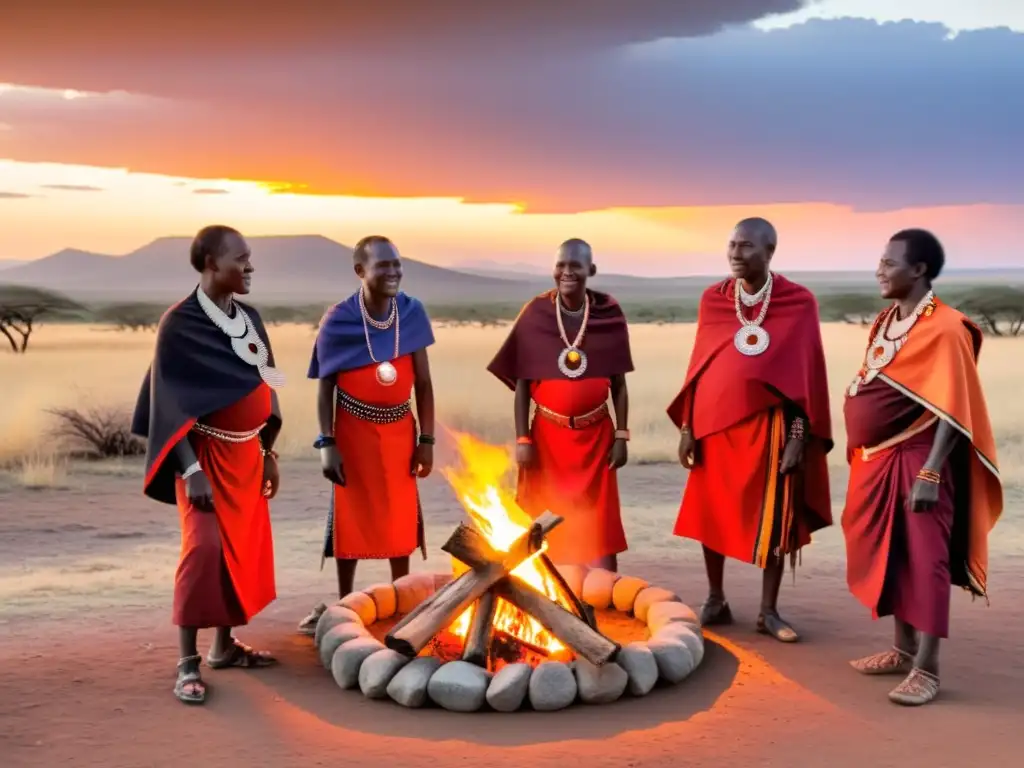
(87, 655)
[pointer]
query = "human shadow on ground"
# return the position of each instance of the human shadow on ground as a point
(303, 682)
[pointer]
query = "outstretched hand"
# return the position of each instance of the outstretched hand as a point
(331, 465)
(792, 456)
(619, 454)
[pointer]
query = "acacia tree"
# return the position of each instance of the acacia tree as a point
(131, 317)
(853, 308)
(21, 308)
(999, 311)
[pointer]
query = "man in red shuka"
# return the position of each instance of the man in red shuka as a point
(567, 351)
(754, 425)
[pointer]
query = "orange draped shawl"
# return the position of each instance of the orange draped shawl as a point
(937, 367)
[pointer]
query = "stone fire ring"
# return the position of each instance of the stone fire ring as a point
(356, 658)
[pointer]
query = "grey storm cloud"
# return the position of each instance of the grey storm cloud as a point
(661, 105)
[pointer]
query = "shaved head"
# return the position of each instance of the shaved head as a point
(363, 250)
(574, 265)
(751, 248)
(761, 231)
(575, 249)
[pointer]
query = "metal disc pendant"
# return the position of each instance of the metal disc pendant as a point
(386, 374)
(881, 354)
(751, 340)
(572, 362)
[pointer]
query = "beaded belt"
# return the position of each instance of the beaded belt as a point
(378, 414)
(575, 422)
(225, 435)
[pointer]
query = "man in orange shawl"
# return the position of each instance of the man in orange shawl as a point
(924, 486)
(568, 349)
(370, 354)
(753, 416)
(210, 418)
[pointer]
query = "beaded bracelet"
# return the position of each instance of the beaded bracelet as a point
(525, 440)
(797, 429)
(929, 476)
(426, 440)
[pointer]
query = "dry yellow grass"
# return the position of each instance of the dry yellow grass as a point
(93, 366)
(40, 471)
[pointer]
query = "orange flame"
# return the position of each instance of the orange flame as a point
(478, 485)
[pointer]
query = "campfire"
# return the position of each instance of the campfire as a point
(508, 602)
(505, 628)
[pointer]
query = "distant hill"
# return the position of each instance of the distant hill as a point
(310, 269)
(288, 269)
(8, 263)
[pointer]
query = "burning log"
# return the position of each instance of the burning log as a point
(412, 634)
(570, 629)
(478, 641)
(583, 610)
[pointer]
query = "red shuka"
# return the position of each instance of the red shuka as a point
(225, 574)
(734, 405)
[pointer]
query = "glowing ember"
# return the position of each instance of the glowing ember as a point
(477, 483)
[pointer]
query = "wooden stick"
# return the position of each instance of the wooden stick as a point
(412, 634)
(470, 546)
(581, 607)
(571, 630)
(478, 641)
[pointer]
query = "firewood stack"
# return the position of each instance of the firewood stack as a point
(489, 578)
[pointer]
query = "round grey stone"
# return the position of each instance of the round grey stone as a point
(660, 614)
(552, 687)
(459, 686)
(385, 599)
(675, 662)
(639, 662)
(625, 591)
(412, 589)
(600, 685)
(337, 637)
(331, 618)
(350, 657)
(409, 686)
(362, 604)
(648, 597)
(597, 588)
(377, 671)
(691, 638)
(508, 687)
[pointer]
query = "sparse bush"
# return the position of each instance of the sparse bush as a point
(97, 432)
(854, 308)
(130, 317)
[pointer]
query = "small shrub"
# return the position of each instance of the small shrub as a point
(98, 432)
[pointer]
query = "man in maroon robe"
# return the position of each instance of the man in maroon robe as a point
(567, 351)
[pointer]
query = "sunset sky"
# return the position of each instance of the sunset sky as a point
(472, 131)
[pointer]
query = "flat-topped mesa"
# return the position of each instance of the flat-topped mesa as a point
(488, 580)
